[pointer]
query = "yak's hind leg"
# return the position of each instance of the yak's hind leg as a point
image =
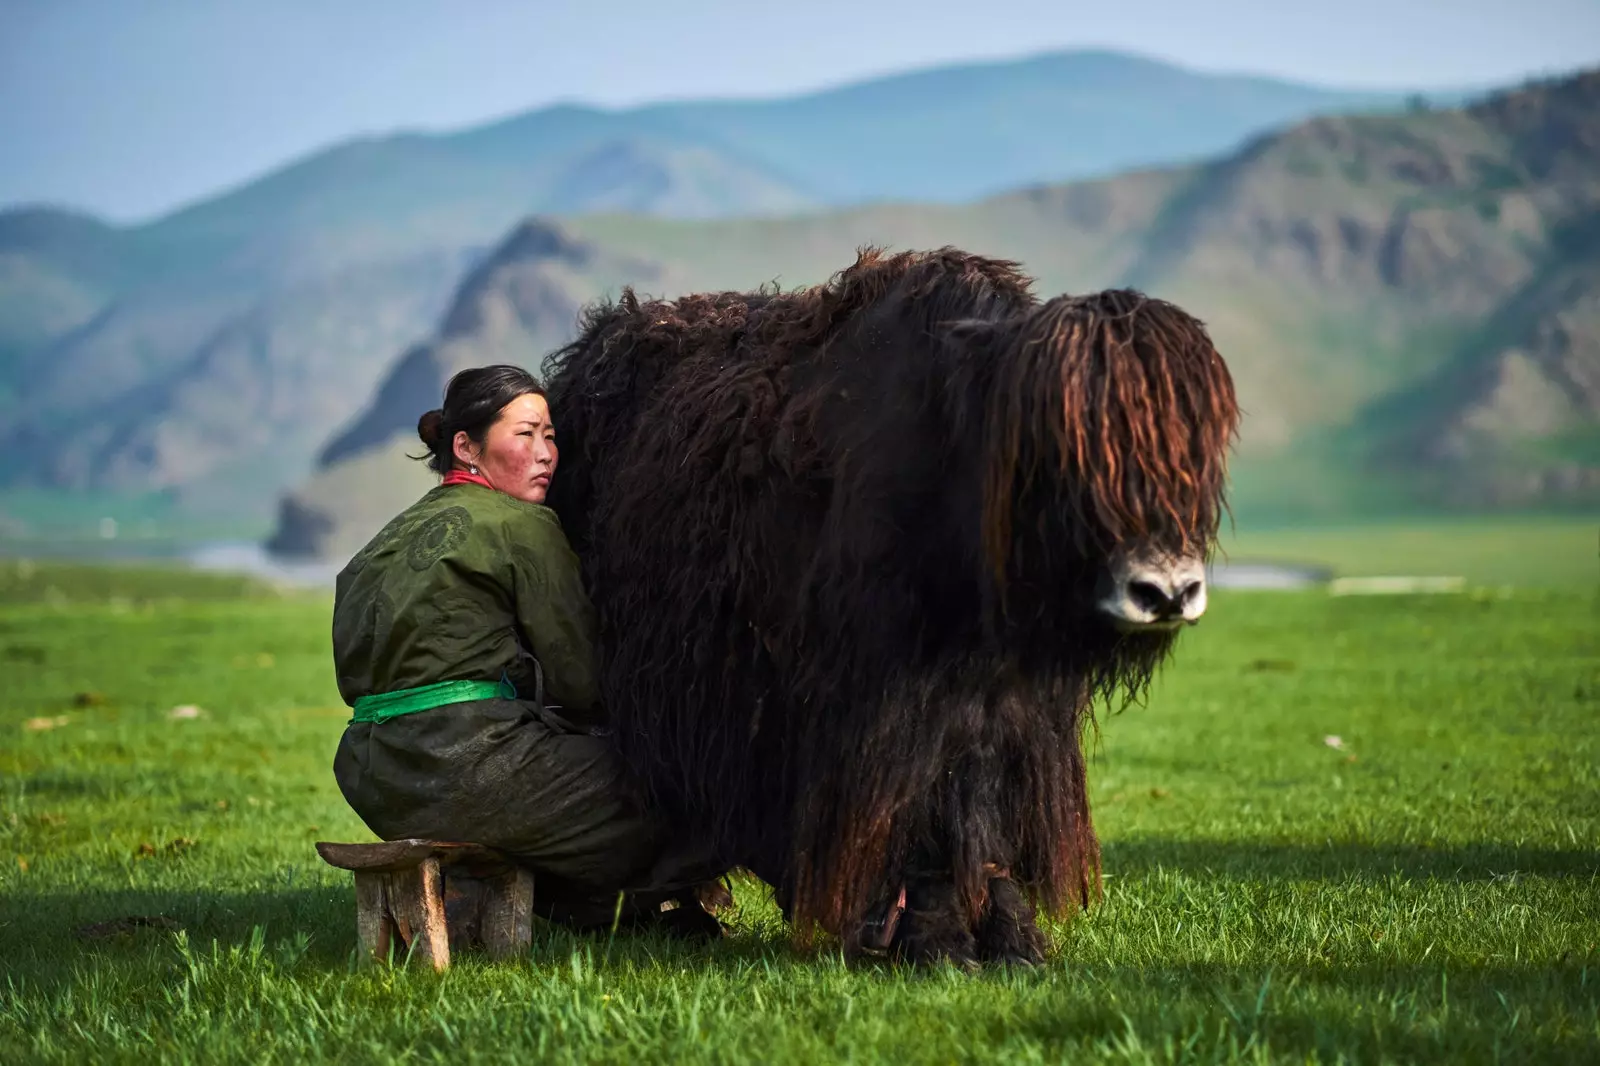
(934, 926)
(1008, 932)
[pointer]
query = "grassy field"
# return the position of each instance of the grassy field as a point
(1341, 829)
(1547, 551)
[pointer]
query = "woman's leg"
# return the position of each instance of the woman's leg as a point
(519, 779)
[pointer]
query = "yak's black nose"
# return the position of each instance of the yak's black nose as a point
(1154, 590)
(1163, 599)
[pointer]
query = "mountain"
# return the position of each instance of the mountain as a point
(947, 134)
(509, 309)
(1410, 303)
(183, 392)
(958, 133)
(1514, 418)
(127, 331)
(1370, 278)
(262, 393)
(57, 270)
(520, 302)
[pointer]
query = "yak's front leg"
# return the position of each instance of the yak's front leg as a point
(933, 927)
(1008, 931)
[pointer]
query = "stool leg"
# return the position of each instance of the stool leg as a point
(417, 903)
(508, 915)
(465, 897)
(374, 927)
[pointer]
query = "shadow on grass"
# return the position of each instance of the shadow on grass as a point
(46, 936)
(1406, 1012)
(46, 930)
(1327, 1011)
(1401, 1010)
(1336, 860)
(51, 930)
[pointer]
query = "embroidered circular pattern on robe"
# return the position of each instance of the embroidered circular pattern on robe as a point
(440, 534)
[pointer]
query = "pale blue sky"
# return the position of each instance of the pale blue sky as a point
(131, 107)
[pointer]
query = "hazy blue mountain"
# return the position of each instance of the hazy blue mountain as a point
(943, 134)
(518, 303)
(960, 132)
(1409, 305)
(57, 270)
(90, 312)
(314, 276)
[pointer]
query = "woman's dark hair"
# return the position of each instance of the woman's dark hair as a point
(472, 402)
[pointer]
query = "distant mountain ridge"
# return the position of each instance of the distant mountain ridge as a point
(523, 298)
(1410, 304)
(96, 318)
(1344, 263)
(1138, 109)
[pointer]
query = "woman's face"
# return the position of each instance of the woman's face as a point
(518, 456)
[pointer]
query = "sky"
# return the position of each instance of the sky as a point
(129, 108)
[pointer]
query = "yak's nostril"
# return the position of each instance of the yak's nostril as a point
(1151, 597)
(1190, 591)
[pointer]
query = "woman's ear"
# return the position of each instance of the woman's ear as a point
(465, 450)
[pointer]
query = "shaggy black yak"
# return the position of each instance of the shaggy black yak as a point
(863, 556)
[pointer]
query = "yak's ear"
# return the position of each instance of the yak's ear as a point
(972, 334)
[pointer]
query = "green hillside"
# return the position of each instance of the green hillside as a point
(1407, 300)
(57, 270)
(1353, 271)
(120, 329)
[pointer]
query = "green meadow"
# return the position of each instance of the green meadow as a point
(1550, 551)
(1340, 829)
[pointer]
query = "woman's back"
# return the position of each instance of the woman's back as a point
(456, 587)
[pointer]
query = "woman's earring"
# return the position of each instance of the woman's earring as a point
(472, 469)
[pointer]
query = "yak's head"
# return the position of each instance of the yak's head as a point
(1108, 420)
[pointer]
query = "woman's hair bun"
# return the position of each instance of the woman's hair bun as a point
(472, 403)
(429, 426)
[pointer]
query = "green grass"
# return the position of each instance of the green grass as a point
(1548, 551)
(1427, 891)
(144, 585)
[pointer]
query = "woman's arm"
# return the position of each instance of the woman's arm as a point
(553, 611)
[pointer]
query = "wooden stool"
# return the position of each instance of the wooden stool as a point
(436, 895)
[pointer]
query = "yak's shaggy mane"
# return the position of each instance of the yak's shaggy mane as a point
(1138, 426)
(842, 544)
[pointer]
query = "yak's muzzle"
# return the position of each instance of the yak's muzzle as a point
(1151, 591)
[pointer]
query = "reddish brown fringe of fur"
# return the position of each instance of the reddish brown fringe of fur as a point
(1103, 377)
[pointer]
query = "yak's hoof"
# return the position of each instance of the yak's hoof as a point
(879, 926)
(1008, 934)
(714, 897)
(689, 923)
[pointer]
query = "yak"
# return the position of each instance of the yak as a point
(865, 556)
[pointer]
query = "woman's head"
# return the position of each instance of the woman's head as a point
(495, 422)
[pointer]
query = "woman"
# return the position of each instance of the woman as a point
(464, 641)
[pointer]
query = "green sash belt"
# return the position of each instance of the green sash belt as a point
(387, 705)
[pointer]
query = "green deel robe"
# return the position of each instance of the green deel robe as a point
(446, 591)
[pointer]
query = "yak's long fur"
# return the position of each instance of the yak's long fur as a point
(843, 545)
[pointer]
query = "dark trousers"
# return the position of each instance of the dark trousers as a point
(518, 777)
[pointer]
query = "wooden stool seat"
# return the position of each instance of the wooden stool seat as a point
(436, 895)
